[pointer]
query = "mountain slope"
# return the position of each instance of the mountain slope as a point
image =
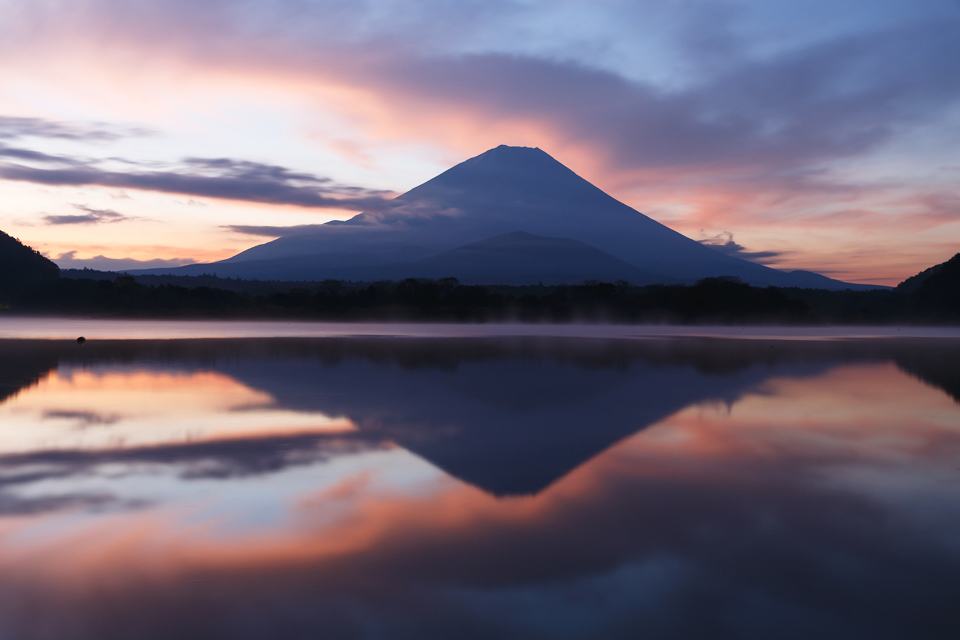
(520, 189)
(523, 258)
(516, 258)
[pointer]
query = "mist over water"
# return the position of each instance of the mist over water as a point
(480, 486)
(69, 328)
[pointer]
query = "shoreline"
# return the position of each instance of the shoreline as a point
(61, 328)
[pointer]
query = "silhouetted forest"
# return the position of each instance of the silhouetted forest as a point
(32, 284)
(936, 299)
(720, 300)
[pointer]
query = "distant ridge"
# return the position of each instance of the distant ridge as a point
(503, 191)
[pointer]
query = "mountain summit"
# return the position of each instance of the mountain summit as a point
(506, 190)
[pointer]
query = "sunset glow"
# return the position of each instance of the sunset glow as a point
(820, 138)
(376, 509)
(106, 410)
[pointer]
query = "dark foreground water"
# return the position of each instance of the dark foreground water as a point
(530, 487)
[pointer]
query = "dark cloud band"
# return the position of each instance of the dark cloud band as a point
(220, 178)
(724, 243)
(90, 216)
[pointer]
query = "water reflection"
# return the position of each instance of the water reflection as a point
(480, 488)
(101, 409)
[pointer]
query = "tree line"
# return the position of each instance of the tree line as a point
(714, 300)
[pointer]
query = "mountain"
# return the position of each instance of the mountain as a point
(503, 191)
(21, 266)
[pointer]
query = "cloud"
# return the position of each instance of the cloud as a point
(38, 156)
(14, 127)
(83, 418)
(828, 93)
(724, 243)
(87, 219)
(11, 505)
(92, 216)
(829, 100)
(246, 170)
(226, 458)
(274, 232)
(935, 208)
(223, 178)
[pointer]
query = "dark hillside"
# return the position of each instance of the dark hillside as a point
(938, 297)
(21, 267)
(913, 283)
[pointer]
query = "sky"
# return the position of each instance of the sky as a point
(820, 135)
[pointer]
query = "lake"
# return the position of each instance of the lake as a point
(283, 480)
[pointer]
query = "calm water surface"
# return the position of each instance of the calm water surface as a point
(480, 487)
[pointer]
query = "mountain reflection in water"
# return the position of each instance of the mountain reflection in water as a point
(524, 488)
